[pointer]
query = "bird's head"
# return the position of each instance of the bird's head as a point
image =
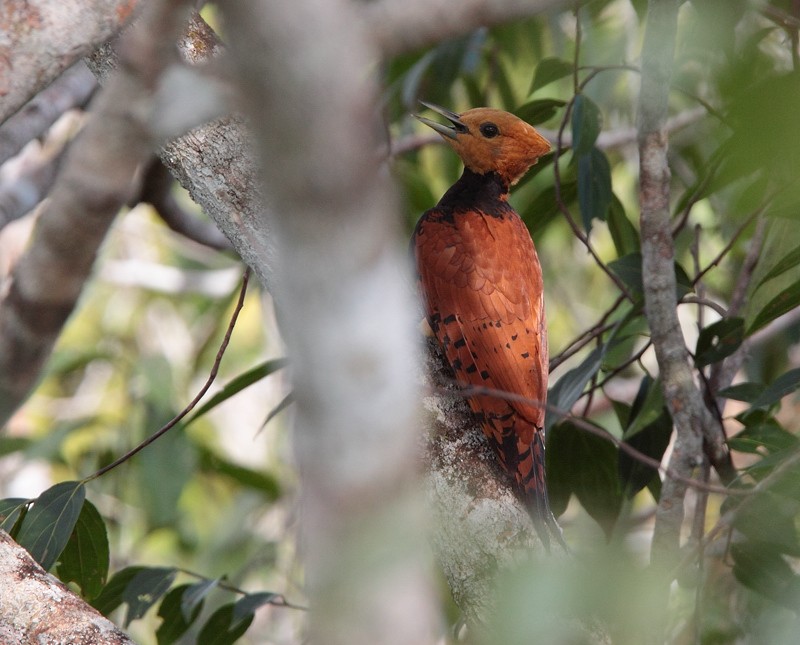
(489, 140)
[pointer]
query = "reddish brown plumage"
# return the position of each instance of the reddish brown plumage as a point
(481, 285)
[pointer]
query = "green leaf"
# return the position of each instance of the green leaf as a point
(789, 261)
(11, 510)
(594, 187)
(218, 630)
(747, 392)
(585, 125)
(238, 384)
(762, 569)
(569, 387)
(194, 596)
(783, 385)
(9, 445)
(767, 436)
(595, 483)
(285, 403)
(623, 232)
(112, 594)
(85, 558)
(782, 303)
(549, 70)
(770, 520)
(175, 624)
(248, 605)
(629, 269)
(543, 208)
(145, 589)
(718, 340)
(255, 479)
(539, 111)
(48, 525)
(649, 432)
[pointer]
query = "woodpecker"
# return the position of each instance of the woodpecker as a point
(481, 285)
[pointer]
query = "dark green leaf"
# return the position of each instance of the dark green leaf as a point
(595, 483)
(10, 511)
(256, 479)
(543, 208)
(629, 270)
(111, 596)
(285, 403)
(782, 303)
(789, 261)
(569, 387)
(783, 385)
(761, 568)
(648, 431)
(85, 558)
(623, 232)
(175, 624)
(195, 595)
(218, 629)
(48, 525)
(9, 445)
(594, 186)
(549, 70)
(585, 124)
(145, 589)
(768, 436)
(718, 340)
(238, 384)
(247, 605)
(539, 111)
(747, 392)
(770, 520)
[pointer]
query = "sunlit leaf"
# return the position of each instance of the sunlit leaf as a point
(85, 558)
(48, 525)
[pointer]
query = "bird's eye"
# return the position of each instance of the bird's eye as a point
(489, 130)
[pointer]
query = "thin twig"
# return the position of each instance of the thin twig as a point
(211, 377)
(278, 600)
(729, 245)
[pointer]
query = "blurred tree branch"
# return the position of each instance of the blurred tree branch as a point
(344, 301)
(36, 48)
(72, 89)
(693, 420)
(35, 607)
(397, 26)
(96, 181)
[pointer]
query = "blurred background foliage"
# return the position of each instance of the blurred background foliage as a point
(216, 497)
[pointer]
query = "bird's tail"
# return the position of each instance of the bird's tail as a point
(535, 491)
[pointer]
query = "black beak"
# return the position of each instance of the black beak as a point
(451, 132)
